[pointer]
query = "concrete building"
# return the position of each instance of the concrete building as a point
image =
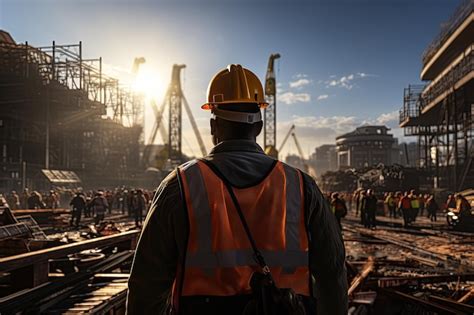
(440, 113)
(324, 159)
(367, 146)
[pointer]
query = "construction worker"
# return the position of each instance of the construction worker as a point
(432, 208)
(391, 205)
(138, 203)
(99, 206)
(405, 206)
(361, 207)
(338, 207)
(450, 203)
(370, 209)
(13, 200)
(415, 205)
(195, 254)
(78, 204)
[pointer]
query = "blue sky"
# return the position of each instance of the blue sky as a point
(344, 63)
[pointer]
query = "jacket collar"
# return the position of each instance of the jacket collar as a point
(237, 145)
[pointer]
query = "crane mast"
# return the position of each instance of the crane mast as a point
(174, 98)
(269, 132)
(282, 145)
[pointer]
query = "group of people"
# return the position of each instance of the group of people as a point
(90, 203)
(408, 205)
(98, 203)
(33, 200)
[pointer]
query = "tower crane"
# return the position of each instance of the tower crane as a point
(269, 131)
(158, 113)
(174, 100)
(306, 166)
(286, 138)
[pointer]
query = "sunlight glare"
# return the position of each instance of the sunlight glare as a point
(150, 83)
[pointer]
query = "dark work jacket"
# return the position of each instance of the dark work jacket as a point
(162, 243)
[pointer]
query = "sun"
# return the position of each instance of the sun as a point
(149, 83)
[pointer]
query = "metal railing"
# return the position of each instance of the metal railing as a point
(457, 72)
(448, 28)
(411, 102)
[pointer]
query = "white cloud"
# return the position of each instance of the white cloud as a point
(346, 81)
(299, 83)
(323, 97)
(290, 98)
(388, 118)
(300, 75)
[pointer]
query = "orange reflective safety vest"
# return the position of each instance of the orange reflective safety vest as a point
(219, 258)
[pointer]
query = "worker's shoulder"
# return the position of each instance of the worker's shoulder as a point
(307, 179)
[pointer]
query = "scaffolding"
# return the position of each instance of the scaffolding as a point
(61, 111)
(440, 115)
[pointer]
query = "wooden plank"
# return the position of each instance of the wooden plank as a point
(366, 270)
(467, 297)
(22, 260)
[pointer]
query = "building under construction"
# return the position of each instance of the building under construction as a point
(63, 121)
(440, 113)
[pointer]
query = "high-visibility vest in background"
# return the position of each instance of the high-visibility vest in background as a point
(415, 203)
(219, 258)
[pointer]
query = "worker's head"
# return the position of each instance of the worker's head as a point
(335, 195)
(369, 192)
(459, 196)
(235, 97)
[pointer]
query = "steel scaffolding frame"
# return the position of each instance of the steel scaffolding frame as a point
(441, 117)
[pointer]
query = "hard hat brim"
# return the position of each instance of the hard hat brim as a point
(208, 106)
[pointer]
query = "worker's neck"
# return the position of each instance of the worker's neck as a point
(231, 138)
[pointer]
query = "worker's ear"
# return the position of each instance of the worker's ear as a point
(257, 128)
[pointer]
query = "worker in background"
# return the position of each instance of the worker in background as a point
(370, 209)
(110, 200)
(99, 207)
(361, 206)
(195, 256)
(51, 200)
(415, 205)
(78, 204)
(405, 206)
(432, 208)
(451, 203)
(462, 205)
(88, 209)
(391, 205)
(13, 200)
(138, 206)
(338, 207)
(422, 198)
(24, 199)
(35, 201)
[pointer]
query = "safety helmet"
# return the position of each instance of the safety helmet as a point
(232, 85)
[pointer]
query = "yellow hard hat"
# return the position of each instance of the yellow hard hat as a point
(232, 85)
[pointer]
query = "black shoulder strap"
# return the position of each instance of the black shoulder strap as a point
(257, 254)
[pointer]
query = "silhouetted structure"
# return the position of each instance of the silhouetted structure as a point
(439, 114)
(53, 104)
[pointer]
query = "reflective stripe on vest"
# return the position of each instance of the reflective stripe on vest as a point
(219, 259)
